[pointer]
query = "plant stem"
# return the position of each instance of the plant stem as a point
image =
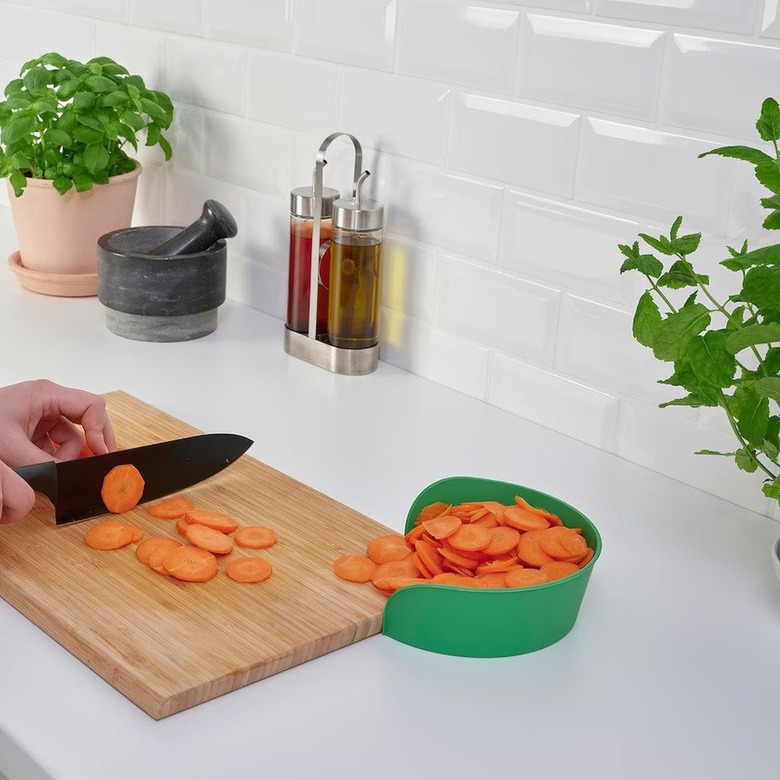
(663, 297)
(733, 424)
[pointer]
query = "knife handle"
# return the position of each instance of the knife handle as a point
(41, 477)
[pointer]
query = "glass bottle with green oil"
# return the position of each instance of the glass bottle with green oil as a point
(355, 264)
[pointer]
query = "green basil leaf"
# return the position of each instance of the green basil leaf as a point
(17, 128)
(152, 109)
(95, 158)
(14, 87)
(68, 89)
(84, 100)
(131, 119)
(36, 79)
(100, 84)
(113, 99)
(18, 181)
(53, 59)
(88, 135)
(62, 184)
(166, 147)
(82, 182)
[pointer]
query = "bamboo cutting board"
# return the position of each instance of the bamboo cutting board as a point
(169, 645)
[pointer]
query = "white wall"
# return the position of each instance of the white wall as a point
(514, 144)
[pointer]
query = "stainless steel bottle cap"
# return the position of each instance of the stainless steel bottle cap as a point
(347, 215)
(302, 201)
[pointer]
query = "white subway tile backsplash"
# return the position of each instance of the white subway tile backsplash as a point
(730, 15)
(770, 21)
(247, 153)
(652, 174)
(16, 48)
(704, 76)
(497, 310)
(257, 285)
(206, 73)
(516, 143)
(397, 115)
(618, 69)
(266, 24)
(596, 345)
(567, 246)
(71, 36)
(140, 51)
(571, 408)
(575, 6)
(459, 214)
(473, 44)
(417, 347)
(182, 16)
(294, 92)
(266, 230)
(114, 10)
(408, 277)
(356, 32)
(665, 440)
(187, 135)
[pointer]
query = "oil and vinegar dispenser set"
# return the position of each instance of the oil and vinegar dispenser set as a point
(335, 260)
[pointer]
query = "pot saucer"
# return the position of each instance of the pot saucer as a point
(63, 285)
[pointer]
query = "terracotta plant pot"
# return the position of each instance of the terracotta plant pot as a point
(58, 234)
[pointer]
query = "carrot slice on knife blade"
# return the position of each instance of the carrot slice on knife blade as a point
(122, 488)
(170, 508)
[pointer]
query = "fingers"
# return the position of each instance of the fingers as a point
(16, 496)
(68, 436)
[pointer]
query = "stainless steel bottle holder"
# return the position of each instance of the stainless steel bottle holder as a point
(307, 346)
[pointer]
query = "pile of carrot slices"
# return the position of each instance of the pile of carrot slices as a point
(477, 544)
(206, 535)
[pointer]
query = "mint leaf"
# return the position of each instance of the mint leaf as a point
(674, 333)
(646, 264)
(709, 359)
(772, 489)
(661, 244)
(745, 460)
(647, 320)
(686, 245)
(751, 335)
(681, 274)
(754, 417)
(766, 255)
(761, 287)
(747, 153)
(689, 400)
(715, 452)
(769, 175)
(772, 222)
(769, 387)
(768, 124)
(675, 227)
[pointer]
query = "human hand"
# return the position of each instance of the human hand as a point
(16, 496)
(34, 416)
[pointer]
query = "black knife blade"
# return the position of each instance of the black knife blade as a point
(73, 486)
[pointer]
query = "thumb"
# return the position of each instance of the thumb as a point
(16, 496)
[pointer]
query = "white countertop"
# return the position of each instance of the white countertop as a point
(670, 672)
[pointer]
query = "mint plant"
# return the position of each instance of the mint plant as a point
(69, 122)
(723, 351)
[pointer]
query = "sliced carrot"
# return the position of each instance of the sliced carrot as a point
(354, 568)
(529, 550)
(478, 556)
(524, 519)
(587, 558)
(157, 558)
(248, 570)
(455, 557)
(109, 535)
(170, 508)
(455, 569)
(420, 566)
(216, 520)
(432, 510)
(191, 564)
(498, 565)
(85, 451)
(138, 533)
(391, 584)
(471, 538)
(495, 508)
(255, 537)
(122, 488)
(448, 578)
(503, 539)
(209, 539)
(182, 524)
(415, 534)
(429, 556)
(492, 581)
(549, 516)
(563, 543)
(146, 548)
(523, 578)
(488, 520)
(443, 526)
(390, 547)
(557, 570)
(403, 568)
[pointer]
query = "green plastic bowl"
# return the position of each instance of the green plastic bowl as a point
(489, 623)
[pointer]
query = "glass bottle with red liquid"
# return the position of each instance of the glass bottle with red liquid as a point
(299, 279)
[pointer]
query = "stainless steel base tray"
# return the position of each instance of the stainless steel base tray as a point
(352, 362)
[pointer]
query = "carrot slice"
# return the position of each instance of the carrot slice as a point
(182, 524)
(563, 543)
(455, 569)
(255, 537)
(248, 570)
(492, 581)
(587, 558)
(170, 508)
(498, 565)
(402, 568)
(354, 568)
(432, 510)
(460, 560)
(108, 535)
(420, 566)
(523, 578)
(549, 516)
(190, 564)
(216, 520)
(524, 519)
(157, 558)
(503, 539)
(557, 570)
(122, 488)
(443, 526)
(529, 550)
(390, 547)
(429, 556)
(488, 520)
(138, 533)
(146, 548)
(471, 538)
(415, 534)
(394, 583)
(209, 539)
(449, 578)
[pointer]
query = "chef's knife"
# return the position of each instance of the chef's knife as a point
(73, 486)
